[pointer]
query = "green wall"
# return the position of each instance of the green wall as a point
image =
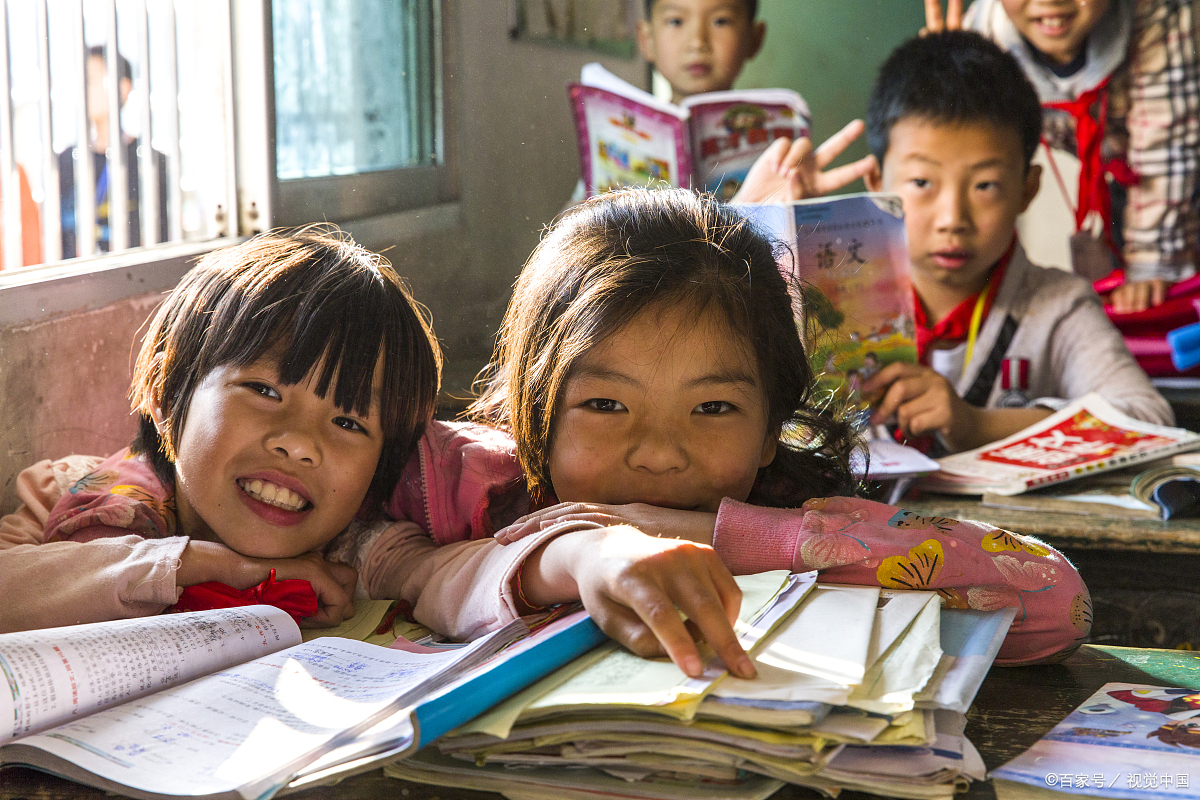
(829, 51)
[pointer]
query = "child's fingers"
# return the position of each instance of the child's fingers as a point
(832, 147)
(933, 17)
(712, 613)
(954, 15)
(838, 177)
(795, 155)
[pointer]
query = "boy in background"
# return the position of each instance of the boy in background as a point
(1001, 342)
(700, 46)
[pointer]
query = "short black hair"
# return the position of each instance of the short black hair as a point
(953, 77)
(124, 70)
(751, 8)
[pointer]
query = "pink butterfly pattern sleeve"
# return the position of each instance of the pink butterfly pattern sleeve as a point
(970, 564)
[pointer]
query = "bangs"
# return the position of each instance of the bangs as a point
(315, 316)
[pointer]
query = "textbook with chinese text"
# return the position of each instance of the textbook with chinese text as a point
(1085, 437)
(229, 703)
(628, 137)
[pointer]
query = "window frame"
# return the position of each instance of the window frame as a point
(368, 200)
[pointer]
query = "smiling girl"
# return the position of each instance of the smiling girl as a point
(651, 375)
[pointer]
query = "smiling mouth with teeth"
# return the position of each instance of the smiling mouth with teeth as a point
(274, 495)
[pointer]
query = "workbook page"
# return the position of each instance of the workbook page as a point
(60, 674)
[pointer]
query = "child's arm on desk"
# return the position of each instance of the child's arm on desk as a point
(923, 402)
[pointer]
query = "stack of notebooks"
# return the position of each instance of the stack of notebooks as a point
(858, 688)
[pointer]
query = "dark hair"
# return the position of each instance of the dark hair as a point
(953, 77)
(124, 70)
(619, 254)
(751, 8)
(314, 298)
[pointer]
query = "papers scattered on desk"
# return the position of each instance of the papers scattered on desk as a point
(1127, 740)
(1085, 437)
(858, 688)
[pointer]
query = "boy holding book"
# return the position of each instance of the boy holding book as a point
(1001, 342)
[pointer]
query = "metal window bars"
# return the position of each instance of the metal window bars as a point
(58, 27)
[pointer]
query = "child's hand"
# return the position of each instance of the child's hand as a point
(666, 523)
(333, 583)
(1137, 296)
(791, 170)
(635, 585)
(936, 23)
(921, 402)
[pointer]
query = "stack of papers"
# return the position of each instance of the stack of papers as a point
(858, 688)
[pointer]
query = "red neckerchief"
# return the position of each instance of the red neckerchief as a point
(954, 326)
(294, 595)
(1094, 194)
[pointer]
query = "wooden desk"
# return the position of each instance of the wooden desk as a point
(1015, 707)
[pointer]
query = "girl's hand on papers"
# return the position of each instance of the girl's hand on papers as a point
(935, 22)
(635, 585)
(791, 170)
(333, 583)
(665, 523)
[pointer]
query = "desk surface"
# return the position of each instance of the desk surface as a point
(1071, 531)
(1015, 707)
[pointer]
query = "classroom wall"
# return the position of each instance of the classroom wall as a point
(63, 378)
(830, 52)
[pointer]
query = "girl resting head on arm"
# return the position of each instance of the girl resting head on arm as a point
(652, 375)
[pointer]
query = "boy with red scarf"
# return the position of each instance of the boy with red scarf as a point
(1002, 343)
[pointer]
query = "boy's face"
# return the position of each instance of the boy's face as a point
(699, 45)
(1059, 28)
(962, 186)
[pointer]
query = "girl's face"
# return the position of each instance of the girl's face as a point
(668, 411)
(1059, 28)
(272, 471)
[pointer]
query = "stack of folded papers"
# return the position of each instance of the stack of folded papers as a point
(859, 688)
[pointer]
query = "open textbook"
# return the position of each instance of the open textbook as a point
(1127, 740)
(229, 703)
(628, 137)
(1086, 436)
(860, 688)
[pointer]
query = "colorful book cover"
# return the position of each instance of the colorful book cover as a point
(1128, 741)
(730, 130)
(627, 137)
(850, 255)
(1085, 437)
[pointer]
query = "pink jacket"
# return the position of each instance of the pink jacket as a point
(466, 483)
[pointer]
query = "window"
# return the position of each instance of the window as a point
(305, 110)
(358, 107)
(118, 110)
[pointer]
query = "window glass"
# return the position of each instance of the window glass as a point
(356, 86)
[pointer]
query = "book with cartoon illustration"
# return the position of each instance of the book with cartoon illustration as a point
(628, 137)
(1085, 437)
(1127, 740)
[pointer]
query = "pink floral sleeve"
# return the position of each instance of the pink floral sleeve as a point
(970, 564)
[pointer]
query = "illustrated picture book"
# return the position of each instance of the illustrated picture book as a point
(229, 703)
(628, 137)
(850, 256)
(1085, 437)
(1127, 741)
